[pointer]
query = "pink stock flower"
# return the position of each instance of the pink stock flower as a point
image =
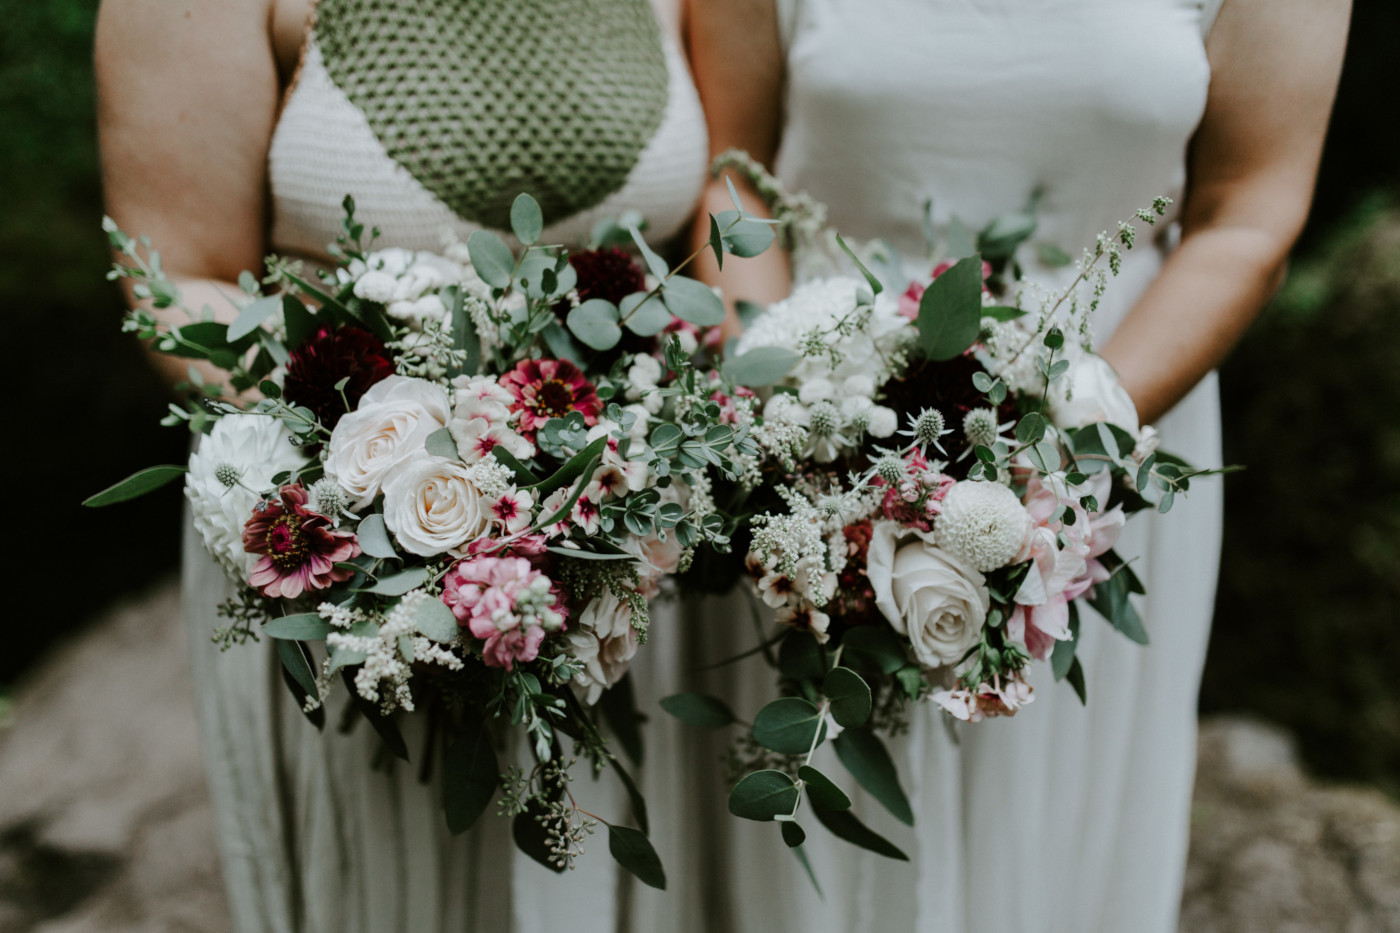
(507, 603)
(545, 389)
(299, 547)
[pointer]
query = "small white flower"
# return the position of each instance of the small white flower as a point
(883, 421)
(251, 449)
(816, 390)
(982, 523)
(860, 384)
(375, 286)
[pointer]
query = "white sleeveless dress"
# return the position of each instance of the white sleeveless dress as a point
(1064, 819)
(311, 838)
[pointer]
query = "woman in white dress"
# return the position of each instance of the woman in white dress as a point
(1066, 819)
(233, 128)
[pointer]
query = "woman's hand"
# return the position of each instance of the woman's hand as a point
(1253, 163)
(187, 101)
(739, 74)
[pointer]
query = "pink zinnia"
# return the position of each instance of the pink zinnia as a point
(299, 548)
(545, 389)
(507, 603)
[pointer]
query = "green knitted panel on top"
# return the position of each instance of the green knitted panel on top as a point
(483, 99)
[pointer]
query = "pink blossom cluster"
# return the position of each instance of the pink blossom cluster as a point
(506, 602)
(918, 499)
(1065, 561)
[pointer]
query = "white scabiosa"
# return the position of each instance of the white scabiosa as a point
(983, 523)
(234, 463)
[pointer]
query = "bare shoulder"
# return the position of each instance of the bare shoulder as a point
(187, 100)
(1274, 71)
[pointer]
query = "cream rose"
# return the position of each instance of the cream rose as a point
(927, 594)
(1089, 393)
(432, 506)
(388, 429)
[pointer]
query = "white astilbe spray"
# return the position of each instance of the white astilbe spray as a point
(384, 676)
(793, 550)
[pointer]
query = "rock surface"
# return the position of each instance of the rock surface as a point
(105, 824)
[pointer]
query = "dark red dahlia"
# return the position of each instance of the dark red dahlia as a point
(545, 389)
(299, 547)
(610, 274)
(325, 358)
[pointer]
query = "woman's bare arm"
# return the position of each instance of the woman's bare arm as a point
(737, 61)
(187, 100)
(1253, 163)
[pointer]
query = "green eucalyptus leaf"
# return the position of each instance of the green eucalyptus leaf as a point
(634, 852)
(869, 762)
(950, 311)
(253, 315)
(693, 301)
(875, 647)
(562, 345)
(399, 583)
(137, 484)
(441, 444)
(761, 366)
(763, 795)
(1003, 314)
(298, 677)
(595, 324)
(305, 626)
(526, 219)
(800, 657)
(300, 322)
(655, 263)
(843, 824)
(716, 243)
(788, 725)
(435, 621)
(793, 835)
(822, 791)
(470, 774)
(849, 695)
(644, 316)
(870, 279)
(374, 537)
(961, 241)
(697, 709)
(491, 258)
(1063, 656)
(743, 237)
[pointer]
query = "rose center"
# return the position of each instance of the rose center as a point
(286, 542)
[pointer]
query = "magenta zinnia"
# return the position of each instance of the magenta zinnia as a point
(299, 547)
(325, 358)
(545, 389)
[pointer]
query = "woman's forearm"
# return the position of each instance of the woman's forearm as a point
(1208, 292)
(195, 294)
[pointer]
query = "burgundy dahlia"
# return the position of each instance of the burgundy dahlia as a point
(545, 389)
(325, 358)
(610, 274)
(299, 547)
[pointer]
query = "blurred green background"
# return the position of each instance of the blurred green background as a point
(1308, 621)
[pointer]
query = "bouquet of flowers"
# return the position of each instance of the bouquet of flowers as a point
(945, 475)
(464, 478)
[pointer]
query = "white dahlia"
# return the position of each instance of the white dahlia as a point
(983, 523)
(232, 465)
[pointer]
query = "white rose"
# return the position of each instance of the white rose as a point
(1090, 392)
(253, 447)
(432, 506)
(602, 638)
(939, 602)
(388, 429)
